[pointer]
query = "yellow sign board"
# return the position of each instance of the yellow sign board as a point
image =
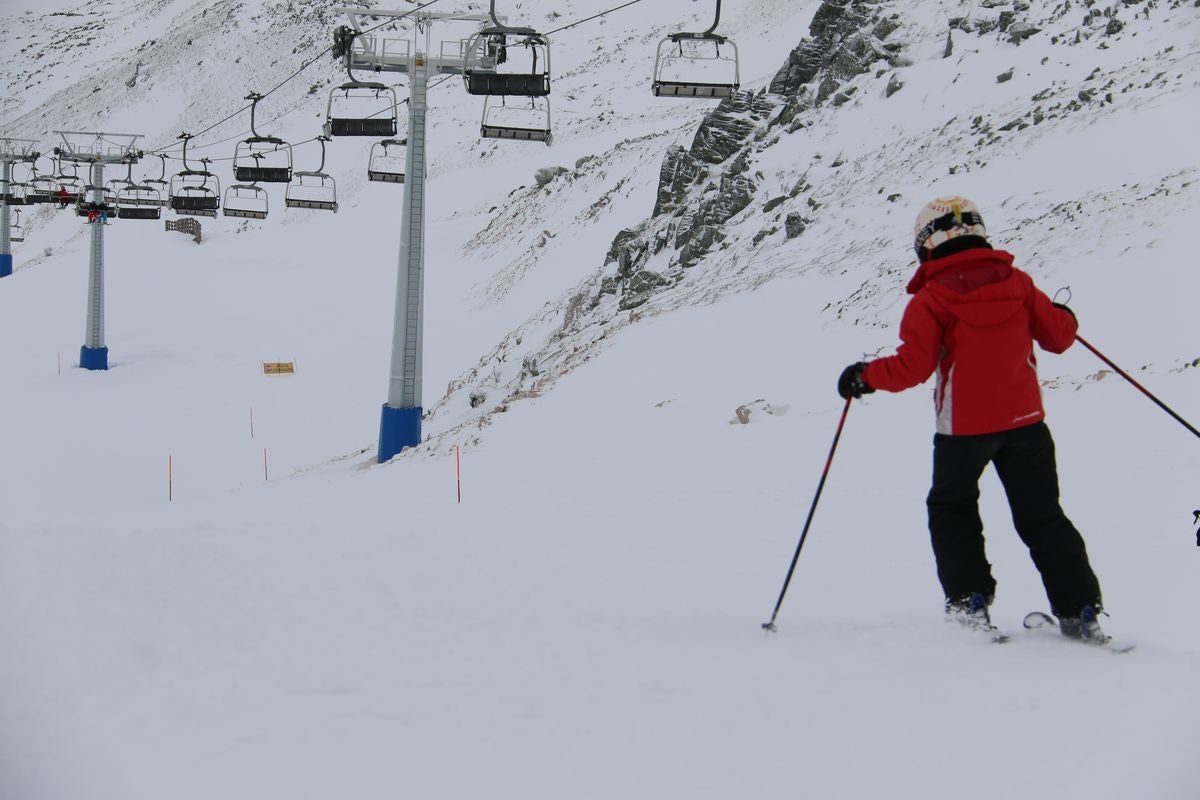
(279, 367)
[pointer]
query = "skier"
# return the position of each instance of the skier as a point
(973, 319)
(63, 196)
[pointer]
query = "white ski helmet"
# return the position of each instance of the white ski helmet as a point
(944, 219)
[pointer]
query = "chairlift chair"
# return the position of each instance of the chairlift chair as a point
(72, 183)
(692, 65)
(41, 190)
(17, 194)
(516, 124)
(139, 201)
(385, 167)
(250, 154)
(87, 204)
(117, 184)
(246, 200)
(490, 47)
(194, 192)
(313, 189)
(15, 232)
(354, 94)
(160, 184)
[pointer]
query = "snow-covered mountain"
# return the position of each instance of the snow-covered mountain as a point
(632, 339)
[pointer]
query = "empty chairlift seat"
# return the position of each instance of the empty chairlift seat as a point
(194, 192)
(517, 121)
(313, 189)
(139, 201)
(361, 108)
(703, 64)
(246, 201)
(265, 159)
(387, 161)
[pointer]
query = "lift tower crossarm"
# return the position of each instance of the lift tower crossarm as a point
(395, 55)
(94, 147)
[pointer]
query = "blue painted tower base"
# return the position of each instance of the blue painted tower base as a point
(5, 265)
(398, 428)
(93, 357)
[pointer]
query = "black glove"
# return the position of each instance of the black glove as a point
(851, 383)
(1066, 309)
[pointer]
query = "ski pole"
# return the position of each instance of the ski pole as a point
(770, 626)
(1137, 385)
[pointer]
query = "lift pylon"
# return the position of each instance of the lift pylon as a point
(96, 150)
(400, 419)
(12, 151)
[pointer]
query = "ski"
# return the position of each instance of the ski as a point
(1041, 621)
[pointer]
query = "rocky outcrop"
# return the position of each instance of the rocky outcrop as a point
(725, 130)
(847, 38)
(701, 188)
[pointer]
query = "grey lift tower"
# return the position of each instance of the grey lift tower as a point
(400, 423)
(96, 149)
(11, 151)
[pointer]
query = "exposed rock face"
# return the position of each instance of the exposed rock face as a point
(846, 40)
(725, 130)
(703, 187)
(680, 171)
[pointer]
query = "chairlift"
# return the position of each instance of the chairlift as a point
(139, 201)
(516, 123)
(490, 47)
(41, 188)
(16, 233)
(17, 194)
(386, 166)
(313, 189)
(358, 96)
(117, 184)
(160, 184)
(246, 200)
(72, 184)
(692, 65)
(250, 154)
(88, 205)
(194, 192)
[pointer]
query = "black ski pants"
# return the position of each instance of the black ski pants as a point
(1024, 460)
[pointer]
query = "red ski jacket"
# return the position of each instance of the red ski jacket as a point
(973, 319)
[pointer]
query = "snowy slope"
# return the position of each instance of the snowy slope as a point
(585, 623)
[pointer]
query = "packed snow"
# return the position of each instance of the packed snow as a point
(210, 588)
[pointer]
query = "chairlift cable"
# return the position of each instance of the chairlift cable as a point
(163, 150)
(302, 67)
(594, 16)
